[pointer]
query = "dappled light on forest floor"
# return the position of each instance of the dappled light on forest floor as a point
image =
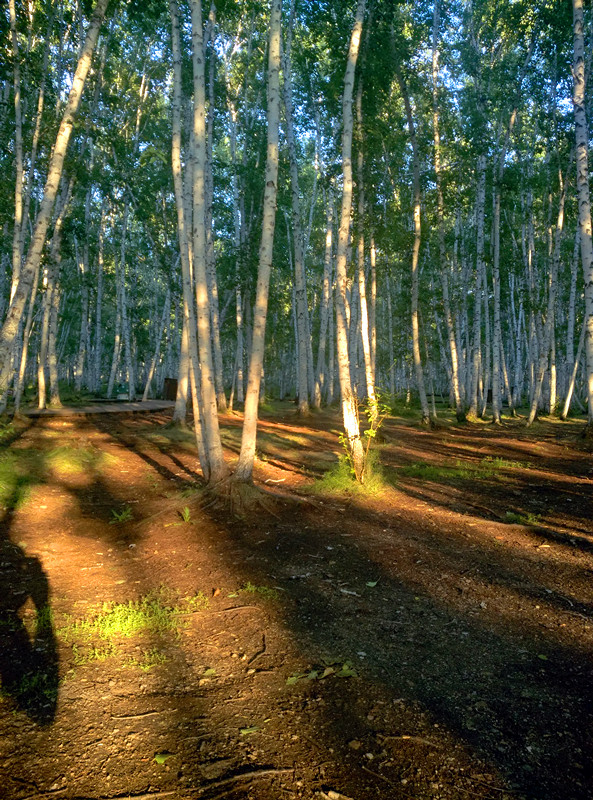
(415, 643)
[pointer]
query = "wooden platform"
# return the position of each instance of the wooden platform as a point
(101, 407)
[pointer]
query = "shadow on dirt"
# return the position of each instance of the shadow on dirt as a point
(519, 698)
(28, 662)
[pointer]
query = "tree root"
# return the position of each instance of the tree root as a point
(238, 497)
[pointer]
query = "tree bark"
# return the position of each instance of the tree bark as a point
(418, 370)
(11, 324)
(584, 201)
(244, 469)
(349, 405)
(217, 468)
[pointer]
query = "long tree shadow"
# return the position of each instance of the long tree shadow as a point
(520, 698)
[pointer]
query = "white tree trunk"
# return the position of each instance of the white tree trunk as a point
(217, 469)
(247, 455)
(349, 405)
(31, 266)
(300, 286)
(584, 201)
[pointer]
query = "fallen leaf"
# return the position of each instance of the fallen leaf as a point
(247, 731)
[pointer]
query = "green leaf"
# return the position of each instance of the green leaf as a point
(209, 672)
(247, 731)
(347, 671)
(327, 671)
(542, 657)
(160, 758)
(372, 584)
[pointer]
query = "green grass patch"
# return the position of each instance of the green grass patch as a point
(164, 436)
(146, 615)
(339, 479)
(68, 460)
(155, 613)
(522, 519)
(485, 469)
(262, 591)
(149, 659)
(23, 468)
(97, 636)
(19, 471)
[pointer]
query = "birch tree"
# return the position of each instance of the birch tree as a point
(584, 201)
(244, 470)
(30, 268)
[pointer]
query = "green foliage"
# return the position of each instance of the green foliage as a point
(149, 659)
(125, 515)
(462, 470)
(522, 519)
(148, 614)
(263, 591)
(340, 669)
(23, 468)
(339, 480)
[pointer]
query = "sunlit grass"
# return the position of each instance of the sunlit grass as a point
(339, 480)
(155, 613)
(23, 468)
(66, 460)
(485, 469)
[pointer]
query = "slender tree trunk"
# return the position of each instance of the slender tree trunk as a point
(17, 238)
(477, 334)
(247, 455)
(548, 334)
(459, 409)
(349, 405)
(419, 372)
(326, 305)
(98, 351)
(20, 385)
(157, 349)
(31, 266)
(180, 411)
(364, 313)
(185, 250)
(584, 201)
(573, 375)
(300, 286)
(390, 334)
(217, 468)
(210, 255)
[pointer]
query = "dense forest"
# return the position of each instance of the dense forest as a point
(384, 201)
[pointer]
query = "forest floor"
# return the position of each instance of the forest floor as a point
(432, 640)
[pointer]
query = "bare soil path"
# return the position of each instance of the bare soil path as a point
(433, 641)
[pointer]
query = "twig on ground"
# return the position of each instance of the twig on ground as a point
(140, 716)
(242, 776)
(378, 775)
(259, 652)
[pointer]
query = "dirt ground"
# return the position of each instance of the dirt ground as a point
(430, 641)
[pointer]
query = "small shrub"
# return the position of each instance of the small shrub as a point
(125, 515)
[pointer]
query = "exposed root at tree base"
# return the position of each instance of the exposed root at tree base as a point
(238, 497)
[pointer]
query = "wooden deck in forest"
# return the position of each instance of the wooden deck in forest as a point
(101, 407)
